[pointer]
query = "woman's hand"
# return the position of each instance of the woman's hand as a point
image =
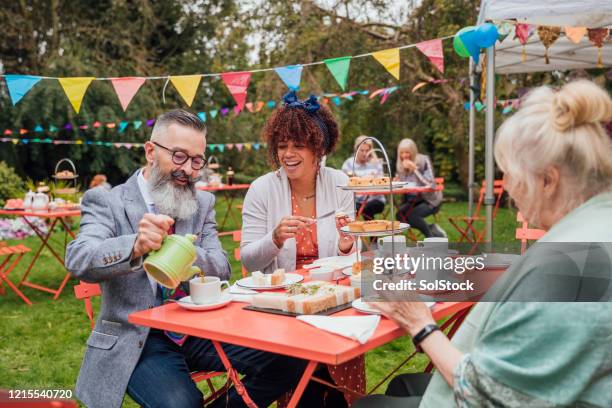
(345, 242)
(411, 316)
(409, 165)
(288, 227)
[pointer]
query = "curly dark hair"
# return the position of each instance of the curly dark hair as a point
(297, 125)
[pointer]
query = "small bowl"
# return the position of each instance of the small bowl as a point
(322, 274)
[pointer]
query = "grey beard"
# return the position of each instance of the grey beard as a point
(178, 202)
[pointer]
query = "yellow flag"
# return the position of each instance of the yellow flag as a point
(187, 86)
(390, 59)
(75, 89)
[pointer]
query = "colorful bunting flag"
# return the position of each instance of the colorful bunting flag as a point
(75, 89)
(239, 146)
(575, 34)
(249, 106)
(237, 83)
(390, 59)
(137, 124)
(126, 88)
(202, 116)
(123, 126)
(213, 113)
(248, 146)
(523, 32)
(19, 85)
(291, 75)
(38, 129)
(187, 86)
(230, 146)
(433, 51)
(339, 68)
(224, 111)
(258, 106)
(271, 104)
(548, 35)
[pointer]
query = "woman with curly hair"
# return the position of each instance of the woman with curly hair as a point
(280, 228)
(280, 208)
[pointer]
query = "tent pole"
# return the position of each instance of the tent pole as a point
(489, 199)
(471, 142)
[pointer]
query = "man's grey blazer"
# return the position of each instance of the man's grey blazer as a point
(101, 253)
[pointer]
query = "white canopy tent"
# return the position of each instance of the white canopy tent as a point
(506, 57)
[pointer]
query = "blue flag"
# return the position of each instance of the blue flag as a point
(291, 75)
(19, 85)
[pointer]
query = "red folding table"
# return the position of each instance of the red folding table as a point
(55, 218)
(227, 198)
(280, 334)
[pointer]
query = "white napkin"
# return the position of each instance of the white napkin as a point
(358, 328)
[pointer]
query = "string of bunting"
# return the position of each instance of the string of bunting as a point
(236, 82)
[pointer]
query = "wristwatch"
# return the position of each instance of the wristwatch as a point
(422, 335)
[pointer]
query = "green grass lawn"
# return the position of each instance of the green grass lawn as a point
(43, 344)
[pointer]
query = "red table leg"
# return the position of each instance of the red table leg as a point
(45, 243)
(299, 390)
(233, 375)
(4, 277)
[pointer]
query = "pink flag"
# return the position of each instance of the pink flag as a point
(237, 83)
(126, 88)
(239, 146)
(249, 106)
(433, 50)
(229, 146)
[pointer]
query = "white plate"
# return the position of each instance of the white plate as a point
(364, 307)
(403, 227)
(336, 262)
(186, 303)
(376, 188)
(290, 279)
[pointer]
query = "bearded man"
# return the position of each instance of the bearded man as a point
(121, 226)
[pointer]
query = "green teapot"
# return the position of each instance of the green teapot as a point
(172, 263)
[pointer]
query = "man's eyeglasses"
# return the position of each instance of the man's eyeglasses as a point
(180, 158)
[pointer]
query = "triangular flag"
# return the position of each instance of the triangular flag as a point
(575, 34)
(211, 147)
(187, 86)
(271, 104)
(83, 127)
(38, 128)
(256, 146)
(126, 88)
(390, 59)
(213, 113)
(97, 124)
(291, 75)
(111, 125)
(236, 110)
(224, 111)
(239, 146)
(123, 126)
(8, 132)
(433, 50)
(237, 83)
(248, 146)
(258, 106)
(336, 100)
(75, 89)
(19, 85)
(249, 106)
(137, 124)
(150, 122)
(221, 147)
(230, 146)
(52, 128)
(202, 116)
(339, 68)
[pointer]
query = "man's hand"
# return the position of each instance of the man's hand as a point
(152, 229)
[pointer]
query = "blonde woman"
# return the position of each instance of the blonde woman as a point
(557, 164)
(416, 168)
(365, 164)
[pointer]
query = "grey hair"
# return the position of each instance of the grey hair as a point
(177, 116)
(562, 129)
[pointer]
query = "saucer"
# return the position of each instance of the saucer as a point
(186, 303)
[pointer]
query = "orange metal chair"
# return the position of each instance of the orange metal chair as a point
(524, 233)
(86, 291)
(6, 266)
(468, 228)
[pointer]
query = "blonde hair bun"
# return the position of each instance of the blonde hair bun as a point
(580, 103)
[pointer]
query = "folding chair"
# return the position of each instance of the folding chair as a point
(524, 233)
(469, 227)
(6, 266)
(237, 237)
(86, 291)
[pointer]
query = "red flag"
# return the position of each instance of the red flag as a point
(433, 50)
(237, 83)
(126, 88)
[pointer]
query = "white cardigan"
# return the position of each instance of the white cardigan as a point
(269, 200)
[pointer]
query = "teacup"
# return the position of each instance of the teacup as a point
(206, 292)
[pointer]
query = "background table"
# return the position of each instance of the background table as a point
(228, 199)
(279, 334)
(54, 217)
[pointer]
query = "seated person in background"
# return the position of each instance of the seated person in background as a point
(555, 156)
(118, 229)
(366, 164)
(279, 225)
(99, 180)
(417, 169)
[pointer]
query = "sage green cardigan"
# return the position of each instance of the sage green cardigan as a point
(556, 354)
